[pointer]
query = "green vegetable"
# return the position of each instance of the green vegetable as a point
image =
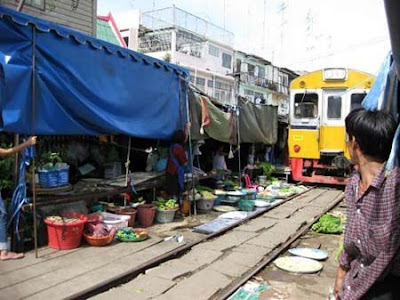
(268, 169)
(328, 223)
(202, 188)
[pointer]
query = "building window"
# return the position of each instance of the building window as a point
(35, 3)
(192, 79)
(212, 50)
(306, 105)
(200, 81)
(334, 107)
(226, 60)
(261, 72)
(356, 100)
(238, 65)
(258, 95)
(248, 92)
(251, 69)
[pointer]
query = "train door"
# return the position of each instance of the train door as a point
(332, 120)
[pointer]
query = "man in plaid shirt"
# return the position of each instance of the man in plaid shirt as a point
(369, 266)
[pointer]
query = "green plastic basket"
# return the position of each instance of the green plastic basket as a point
(246, 205)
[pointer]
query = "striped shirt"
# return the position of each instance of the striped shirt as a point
(372, 234)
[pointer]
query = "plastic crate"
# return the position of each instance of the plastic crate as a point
(53, 178)
(48, 179)
(63, 177)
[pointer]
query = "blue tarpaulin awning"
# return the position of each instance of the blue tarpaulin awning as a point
(83, 85)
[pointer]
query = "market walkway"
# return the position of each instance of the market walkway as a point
(213, 266)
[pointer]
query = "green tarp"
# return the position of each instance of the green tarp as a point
(257, 123)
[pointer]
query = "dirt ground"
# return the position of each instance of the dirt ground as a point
(287, 285)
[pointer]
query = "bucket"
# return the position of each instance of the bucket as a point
(146, 213)
(205, 204)
(262, 180)
(131, 212)
(246, 205)
(165, 216)
(65, 236)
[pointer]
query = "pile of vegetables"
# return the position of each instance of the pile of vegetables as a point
(130, 234)
(167, 205)
(329, 223)
(202, 192)
(64, 220)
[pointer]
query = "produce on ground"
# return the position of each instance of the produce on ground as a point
(329, 223)
(131, 234)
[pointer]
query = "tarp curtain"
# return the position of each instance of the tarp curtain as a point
(258, 123)
(216, 123)
(83, 85)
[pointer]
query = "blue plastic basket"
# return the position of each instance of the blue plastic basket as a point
(63, 177)
(48, 179)
(54, 178)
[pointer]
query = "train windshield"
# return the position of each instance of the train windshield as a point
(356, 100)
(306, 106)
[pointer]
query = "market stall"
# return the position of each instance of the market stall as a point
(57, 81)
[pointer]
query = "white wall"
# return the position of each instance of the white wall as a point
(207, 61)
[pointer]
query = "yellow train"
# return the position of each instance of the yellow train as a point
(319, 104)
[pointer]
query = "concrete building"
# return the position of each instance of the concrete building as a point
(76, 14)
(182, 38)
(261, 82)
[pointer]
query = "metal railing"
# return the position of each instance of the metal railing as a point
(264, 83)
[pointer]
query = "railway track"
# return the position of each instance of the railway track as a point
(289, 220)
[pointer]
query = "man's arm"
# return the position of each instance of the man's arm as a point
(6, 152)
(340, 275)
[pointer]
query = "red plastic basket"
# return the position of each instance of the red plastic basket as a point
(65, 236)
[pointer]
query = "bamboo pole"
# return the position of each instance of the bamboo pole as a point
(33, 131)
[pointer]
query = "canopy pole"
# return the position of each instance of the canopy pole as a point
(190, 143)
(35, 240)
(127, 163)
(20, 5)
(238, 137)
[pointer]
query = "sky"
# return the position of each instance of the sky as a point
(296, 34)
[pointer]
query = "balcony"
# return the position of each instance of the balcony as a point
(263, 83)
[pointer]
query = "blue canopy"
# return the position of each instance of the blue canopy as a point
(83, 85)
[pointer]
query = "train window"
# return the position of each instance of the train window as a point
(306, 106)
(356, 100)
(334, 107)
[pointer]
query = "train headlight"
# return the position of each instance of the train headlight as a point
(296, 148)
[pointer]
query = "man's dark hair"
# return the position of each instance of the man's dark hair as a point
(373, 131)
(179, 137)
